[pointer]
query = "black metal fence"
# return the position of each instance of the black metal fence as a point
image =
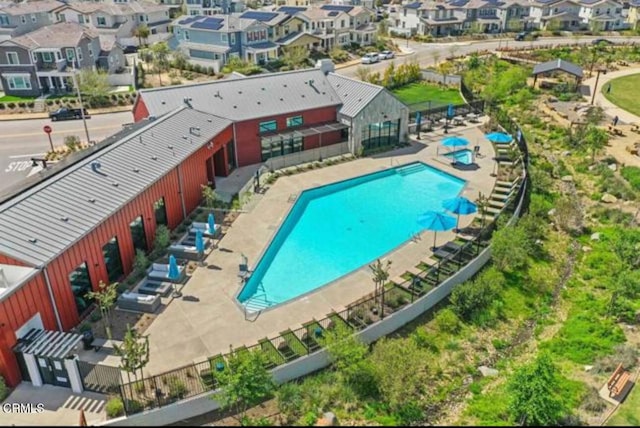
(434, 114)
(194, 379)
(100, 378)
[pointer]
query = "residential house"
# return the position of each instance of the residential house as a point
(111, 55)
(557, 15)
(602, 15)
(213, 40)
(213, 7)
(20, 18)
(44, 60)
(304, 3)
(362, 21)
(428, 18)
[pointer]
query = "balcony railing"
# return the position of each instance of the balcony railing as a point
(58, 65)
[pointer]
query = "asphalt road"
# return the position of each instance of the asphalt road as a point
(424, 52)
(20, 140)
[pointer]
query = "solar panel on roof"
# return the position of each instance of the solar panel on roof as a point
(188, 20)
(336, 7)
(259, 16)
(334, 13)
(291, 10)
(209, 24)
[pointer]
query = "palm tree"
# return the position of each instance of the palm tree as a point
(142, 33)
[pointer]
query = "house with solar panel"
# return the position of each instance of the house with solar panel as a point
(493, 16)
(213, 7)
(602, 15)
(212, 40)
(428, 18)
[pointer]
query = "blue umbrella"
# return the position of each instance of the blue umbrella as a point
(212, 223)
(174, 272)
(459, 205)
(418, 122)
(455, 142)
(499, 137)
(451, 111)
(433, 220)
(199, 241)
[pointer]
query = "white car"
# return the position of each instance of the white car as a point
(386, 55)
(370, 58)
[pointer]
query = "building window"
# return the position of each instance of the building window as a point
(23, 19)
(19, 82)
(80, 19)
(80, 285)
(90, 52)
(4, 20)
(79, 49)
(12, 58)
(137, 234)
(112, 260)
(34, 18)
(280, 146)
(46, 57)
(380, 135)
(160, 211)
(267, 126)
(294, 121)
(34, 57)
(233, 38)
(71, 54)
(102, 21)
(186, 35)
(224, 37)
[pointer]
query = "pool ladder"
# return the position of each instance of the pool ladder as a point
(257, 303)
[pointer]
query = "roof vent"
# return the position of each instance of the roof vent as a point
(154, 157)
(281, 99)
(136, 169)
(115, 184)
(209, 120)
(170, 147)
(33, 240)
(285, 85)
(235, 106)
(240, 92)
(311, 82)
(140, 139)
(184, 137)
(263, 89)
(95, 166)
(162, 102)
(65, 219)
(92, 200)
(187, 101)
(302, 95)
(194, 130)
(259, 103)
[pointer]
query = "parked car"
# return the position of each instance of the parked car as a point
(525, 35)
(130, 49)
(601, 42)
(386, 55)
(68, 113)
(370, 58)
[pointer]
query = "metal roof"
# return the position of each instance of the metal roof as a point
(559, 65)
(40, 223)
(251, 97)
(51, 344)
(355, 94)
(12, 277)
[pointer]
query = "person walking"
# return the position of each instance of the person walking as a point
(615, 121)
(609, 88)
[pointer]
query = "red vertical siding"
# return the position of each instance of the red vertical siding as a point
(140, 110)
(17, 309)
(9, 261)
(248, 138)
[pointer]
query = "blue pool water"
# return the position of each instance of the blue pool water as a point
(335, 229)
(464, 156)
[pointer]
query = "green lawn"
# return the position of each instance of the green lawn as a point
(624, 91)
(628, 414)
(423, 95)
(11, 98)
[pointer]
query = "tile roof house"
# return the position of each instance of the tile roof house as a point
(20, 18)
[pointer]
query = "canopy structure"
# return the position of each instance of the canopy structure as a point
(306, 132)
(557, 65)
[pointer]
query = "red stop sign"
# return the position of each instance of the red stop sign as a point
(47, 129)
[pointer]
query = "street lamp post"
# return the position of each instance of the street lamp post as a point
(595, 87)
(84, 119)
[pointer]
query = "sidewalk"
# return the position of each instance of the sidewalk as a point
(609, 108)
(45, 115)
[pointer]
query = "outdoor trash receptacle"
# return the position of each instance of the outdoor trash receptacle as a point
(87, 339)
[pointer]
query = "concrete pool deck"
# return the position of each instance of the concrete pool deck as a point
(207, 319)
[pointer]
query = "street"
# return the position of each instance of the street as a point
(20, 140)
(424, 52)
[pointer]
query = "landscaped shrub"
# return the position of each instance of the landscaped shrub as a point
(11, 105)
(114, 407)
(632, 175)
(95, 316)
(140, 263)
(85, 326)
(4, 389)
(177, 388)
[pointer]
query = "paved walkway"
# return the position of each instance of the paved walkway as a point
(609, 108)
(45, 115)
(207, 319)
(60, 407)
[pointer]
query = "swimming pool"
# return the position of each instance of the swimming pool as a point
(335, 229)
(464, 156)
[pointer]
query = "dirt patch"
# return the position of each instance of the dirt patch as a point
(119, 321)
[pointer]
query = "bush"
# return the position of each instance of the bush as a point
(473, 300)
(85, 326)
(140, 263)
(592, 401)
(447, 321)
(95, 316)
(114, 407)
(177, 388)
(622, 354)
(4, 389)
(632, 175)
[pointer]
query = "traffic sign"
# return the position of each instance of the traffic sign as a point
(47, 129)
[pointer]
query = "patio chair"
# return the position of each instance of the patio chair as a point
(243, 271)
(476, 152)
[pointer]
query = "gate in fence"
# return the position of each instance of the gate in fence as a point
(99, 378)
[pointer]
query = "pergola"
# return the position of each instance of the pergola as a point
(558, 65)
(306, 132)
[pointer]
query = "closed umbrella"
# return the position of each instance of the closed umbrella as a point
(174, 273)
(499, 137)
(451, 111)
(459, 205)
(199, 241)
(418, 123)
(437, 222)
(212, 223)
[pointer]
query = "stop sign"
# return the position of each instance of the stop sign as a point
(47, 129)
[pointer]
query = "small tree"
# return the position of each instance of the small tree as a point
(133, 353)
(209, 196)
(179, 59)
(72, 142)
(380, 273)
(295, 57)
(594, 140)
(94, 85)
(383, 28)
(105, 297)
(140, 263)
(162, 238)
(362, 73)
(510, 248)
(244, 382)
(535, 399)
(160, 53)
